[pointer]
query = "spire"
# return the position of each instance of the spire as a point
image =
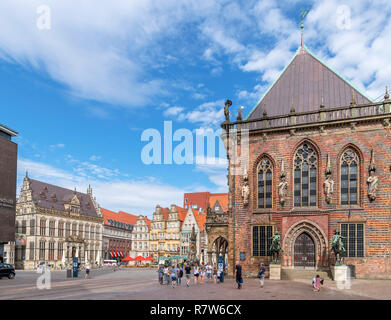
(27, 174)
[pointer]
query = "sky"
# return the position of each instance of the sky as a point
(81, 81)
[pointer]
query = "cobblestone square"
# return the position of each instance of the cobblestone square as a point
(142, 284)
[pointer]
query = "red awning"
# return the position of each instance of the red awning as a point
(139, 258)
(128, 259)
(150, 258)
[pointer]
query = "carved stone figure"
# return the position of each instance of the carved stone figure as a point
(240, 114)
(245, 189)
(337, 246)
(227, 104)
(329, 182)
(372, 180)
(283, 185)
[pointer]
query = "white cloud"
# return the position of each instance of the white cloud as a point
(134, 196)
(173, 111)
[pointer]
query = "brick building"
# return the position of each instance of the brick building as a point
(319, 159)
(8, 158)
(117, 234)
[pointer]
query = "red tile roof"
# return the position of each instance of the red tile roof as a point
(222, 198)
(121, 216)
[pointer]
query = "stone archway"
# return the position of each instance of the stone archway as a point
(315, 233)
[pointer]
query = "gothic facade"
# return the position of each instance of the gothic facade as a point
(318, 159)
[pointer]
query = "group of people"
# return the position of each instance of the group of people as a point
(201, 273)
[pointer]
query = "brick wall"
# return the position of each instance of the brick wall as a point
(375, 215)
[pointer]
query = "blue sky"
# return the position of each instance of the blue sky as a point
(81, 93)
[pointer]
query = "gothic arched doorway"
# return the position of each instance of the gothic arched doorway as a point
(304, 251)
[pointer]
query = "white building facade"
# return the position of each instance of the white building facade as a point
(54, 225)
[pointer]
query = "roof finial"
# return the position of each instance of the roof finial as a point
(322, 103)
(293, 107)
(353, 102)
(386, 96)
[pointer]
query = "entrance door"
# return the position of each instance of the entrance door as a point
(304, 252)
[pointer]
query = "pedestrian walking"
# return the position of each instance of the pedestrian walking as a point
(218, 275)
(261, 274)
(215, 273)
(188, 274)
(173, 273)
(180, 275)
(318, 283)
(177, 271)
(166, 275)
(196, 273)
(202, 274)
(161, 274)
(208, 272)
(87, 270)
(239, 279)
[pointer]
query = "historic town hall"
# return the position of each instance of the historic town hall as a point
(319, 160)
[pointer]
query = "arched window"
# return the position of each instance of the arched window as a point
(265, 184)
(305, 165)
(349, 176)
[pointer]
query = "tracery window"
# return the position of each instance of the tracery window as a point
(265, 184)
(305, 176)
(353, 239)
(262, 236)
(349, 177)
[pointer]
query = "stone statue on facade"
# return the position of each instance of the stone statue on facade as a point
(245, 189)
(227, 104)
(283, 185)
(337, 247)
(329, 182)
(240, 114)
(372, 180)
(275, 247)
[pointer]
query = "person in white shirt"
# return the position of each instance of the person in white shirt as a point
(196, 273)
(208, 272)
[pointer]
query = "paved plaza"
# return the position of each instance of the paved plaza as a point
(133, 284)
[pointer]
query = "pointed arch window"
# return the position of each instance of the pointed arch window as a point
(265, 184)
(349, 177)
(305, 176)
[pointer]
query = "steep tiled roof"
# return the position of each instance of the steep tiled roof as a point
(200, 218)
(302, 84)
(50, 196)
(222, 198)
(120, 216)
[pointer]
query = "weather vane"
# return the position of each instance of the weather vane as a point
(303, 14)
